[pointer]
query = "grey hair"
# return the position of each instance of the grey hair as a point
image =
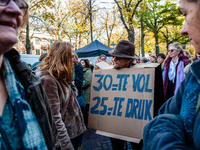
(178, 46)
(102, 55)
(144, 59)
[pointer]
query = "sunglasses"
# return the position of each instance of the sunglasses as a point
(20, 3)
(118, 58)
(103, 59)
(171, 50)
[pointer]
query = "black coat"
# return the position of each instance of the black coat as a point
(79, 78)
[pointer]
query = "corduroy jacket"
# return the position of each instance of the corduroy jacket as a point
(72, 124)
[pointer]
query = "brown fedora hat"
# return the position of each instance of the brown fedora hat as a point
(124, 49)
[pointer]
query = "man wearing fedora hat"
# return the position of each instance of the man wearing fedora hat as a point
(124, 54)
(123, 57)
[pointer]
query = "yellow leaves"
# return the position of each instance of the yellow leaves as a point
(191, 49)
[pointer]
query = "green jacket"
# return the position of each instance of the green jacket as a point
(86, 87)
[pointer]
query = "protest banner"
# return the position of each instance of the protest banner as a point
(123, 101)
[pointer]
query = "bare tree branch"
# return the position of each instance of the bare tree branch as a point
(129, 4)
(134, 10)
(41, 21)
(121, 14)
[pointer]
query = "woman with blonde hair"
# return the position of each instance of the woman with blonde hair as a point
(173, 72)
(187, 53)
(56, 75)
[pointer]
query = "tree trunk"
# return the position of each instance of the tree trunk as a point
(76, 41)
(131, 35)
(156, 41)
(27, 40)
(167, 38)
(80, 40)
(90, 12)
(108, 42)
(142, 37)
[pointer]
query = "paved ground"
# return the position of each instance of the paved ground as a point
(92, 141)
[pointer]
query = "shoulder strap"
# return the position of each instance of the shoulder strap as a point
(66, 104)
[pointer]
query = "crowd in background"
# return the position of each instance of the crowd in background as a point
(174, 66)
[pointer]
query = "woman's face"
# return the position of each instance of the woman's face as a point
(173, 52)
(10, 21)
(74, 60)
(83, 63)
(152, 59)
(192, 20)
(160, 59)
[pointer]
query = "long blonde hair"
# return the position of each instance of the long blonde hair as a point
(165, 60)
(59, 61)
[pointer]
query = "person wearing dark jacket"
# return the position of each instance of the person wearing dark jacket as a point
(123, 57)
(173, 127)
(21, 127)
(78, 74)
(177, 125)
(160, 59)
(78, 79)
(34, 66)
(36, 95)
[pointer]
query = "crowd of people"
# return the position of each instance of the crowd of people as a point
(47, 106)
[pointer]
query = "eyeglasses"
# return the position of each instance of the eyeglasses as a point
(118, 58)
(103, 59)
(171, 50)
(20, 3)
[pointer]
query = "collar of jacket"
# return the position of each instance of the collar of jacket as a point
(86, 69)
(47, 73)
(195, 69)
(79, 64)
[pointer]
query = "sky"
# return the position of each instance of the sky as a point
(108, 4)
